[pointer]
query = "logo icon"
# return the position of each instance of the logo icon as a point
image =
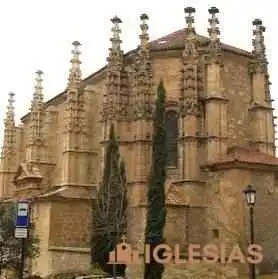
(124, 254)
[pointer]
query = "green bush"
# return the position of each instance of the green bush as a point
(66, 275)
(34, 277)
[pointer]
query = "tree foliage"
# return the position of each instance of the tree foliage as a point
(156, 213)
(10, 246)
(109, 209)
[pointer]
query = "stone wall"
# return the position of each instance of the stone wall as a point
(41, 218)
(70, 223)
(67, 260)
(237, 88)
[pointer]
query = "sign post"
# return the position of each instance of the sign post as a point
(21, 230)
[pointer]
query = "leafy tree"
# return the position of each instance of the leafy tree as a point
(10, 246)
(156, 214)
(109, 209)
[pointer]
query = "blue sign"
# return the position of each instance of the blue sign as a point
(22, 217)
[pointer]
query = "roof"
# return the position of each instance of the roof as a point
(56, 192)
(172, 41)
(246, 155)
(175, 40)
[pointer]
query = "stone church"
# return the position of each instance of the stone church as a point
(220, 138)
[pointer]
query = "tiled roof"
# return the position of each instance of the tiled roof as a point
(244, 155)
(175, 40)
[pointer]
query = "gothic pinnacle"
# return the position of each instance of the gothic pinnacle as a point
(38, 87)
(190, 20)
(213, 21)
(144, 28)
(258, 41)
(37, 95)
(190, 48)
(75, 71)
(116, 31)
(10, 110)
(9, 130)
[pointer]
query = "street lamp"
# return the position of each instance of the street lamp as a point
(250, 198)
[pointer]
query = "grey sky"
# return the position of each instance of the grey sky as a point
(37, 34)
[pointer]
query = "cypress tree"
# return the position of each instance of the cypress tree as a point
(109, 209)
(156, 213)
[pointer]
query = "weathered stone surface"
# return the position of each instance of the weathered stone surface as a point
(204, 192)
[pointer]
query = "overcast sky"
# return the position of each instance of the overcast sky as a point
(37, 34)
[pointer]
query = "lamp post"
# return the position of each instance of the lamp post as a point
(1, 254)
(250, 198)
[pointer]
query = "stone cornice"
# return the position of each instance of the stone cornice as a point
(240, 165)
(69, 249)
(256, 106)
(214, 98)
(196, 182)
(80, 151)
(148, 141)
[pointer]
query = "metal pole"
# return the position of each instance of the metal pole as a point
(114, 264)
(187, 229)
(1, 257)
(22, 259)
(252, 240)
(114, 271)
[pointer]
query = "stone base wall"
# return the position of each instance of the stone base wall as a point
(187, 271)
(63, 259)
(70, 260)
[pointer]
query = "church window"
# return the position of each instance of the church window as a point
(172, 133)
(215, 233)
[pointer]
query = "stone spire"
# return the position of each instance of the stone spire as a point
(74, 100)
(258, 44)
(213, 31)
(260, 63)
(75, 71)
(144, 33)
(115, 52)
(111, 98)
(9, 129)
(36, 109)
(144, 94)
(190, 70)
(190, 34)
(37, 100)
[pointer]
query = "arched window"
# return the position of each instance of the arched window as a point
(172, 134)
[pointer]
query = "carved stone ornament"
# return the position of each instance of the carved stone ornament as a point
(143, 110)
(122, 113)
(190, 106)
(74, 126)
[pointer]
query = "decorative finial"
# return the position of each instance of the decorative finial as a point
(116, 31)
(9, 131)
(190, 48)
(38, 87)
(75, 71)
(214, 30)
(213, 21)
(76, 52)
(190, 18)
(144, 28)
(37, 95)
(144, 17)
(10, 107)
(258, 41)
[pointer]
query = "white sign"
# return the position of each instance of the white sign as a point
(22, 209)
(21, 232)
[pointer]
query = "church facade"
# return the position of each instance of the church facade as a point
(220, 138)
